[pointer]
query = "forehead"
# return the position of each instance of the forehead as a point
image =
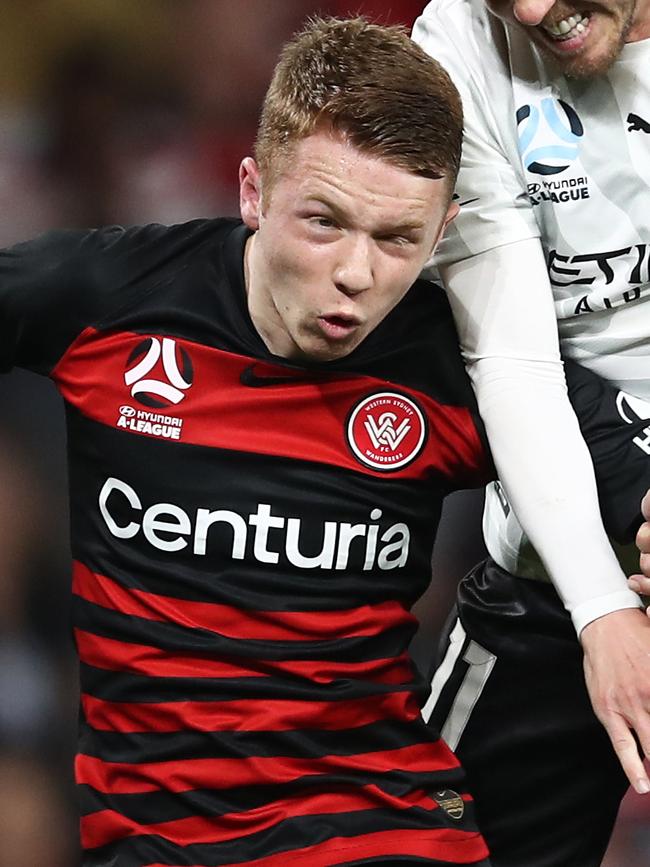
(326, 166)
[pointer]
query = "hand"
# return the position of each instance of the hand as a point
(617, 672)
(641, 585)
(643, 544)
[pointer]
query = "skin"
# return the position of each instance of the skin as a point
(611, 24)
(337, 243)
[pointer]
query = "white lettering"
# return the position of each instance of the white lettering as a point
(204, 520)
(347, 532)
(335, 553)
(643, 442)
(323, 560)
(401, 547)
(151, 525)
(111, 485)
(262, 520)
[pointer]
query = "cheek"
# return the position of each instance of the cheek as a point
(392, 291)
(293, 259)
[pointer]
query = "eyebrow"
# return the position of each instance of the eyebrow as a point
(343, 214)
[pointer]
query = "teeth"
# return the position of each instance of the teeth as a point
(568, 27)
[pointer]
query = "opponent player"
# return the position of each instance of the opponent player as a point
(263, 418)
(555, 196)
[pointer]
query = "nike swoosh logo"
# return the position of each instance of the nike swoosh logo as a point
(468, 201)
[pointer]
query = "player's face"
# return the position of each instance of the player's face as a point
(584, 37)
(338, 242)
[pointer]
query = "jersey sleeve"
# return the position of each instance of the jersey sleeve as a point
(491, 188)
(616, 427)
(494, 269)
(53, 287)
(509, 339)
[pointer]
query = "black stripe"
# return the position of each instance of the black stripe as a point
(171, 637)
(286, 836)
(245, 480)
(134, 747)
(123, 687)
(163, 806)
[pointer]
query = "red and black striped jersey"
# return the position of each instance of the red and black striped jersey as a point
(248, 536)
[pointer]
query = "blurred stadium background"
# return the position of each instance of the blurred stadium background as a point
(129, 111)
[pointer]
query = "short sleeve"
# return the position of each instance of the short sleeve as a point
(491, 188)
(616, 427)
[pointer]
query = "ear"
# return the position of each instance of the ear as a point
(452, 212)
(250, 193)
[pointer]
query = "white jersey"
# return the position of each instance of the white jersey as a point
(565, 161)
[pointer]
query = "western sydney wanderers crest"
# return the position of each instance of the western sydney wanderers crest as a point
(386, 431)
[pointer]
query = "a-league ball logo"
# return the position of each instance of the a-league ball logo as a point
(386, 431)
(549, 136)
(159, 385)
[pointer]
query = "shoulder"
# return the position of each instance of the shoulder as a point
(84, 254)
(417, 344)
(425, 315)
(157, 239)
(454, 12)
(464, 37)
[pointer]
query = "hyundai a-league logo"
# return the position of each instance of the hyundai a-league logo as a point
(386, 431)
(159, 372)
(549, 136)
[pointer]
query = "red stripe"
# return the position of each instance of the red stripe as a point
(141, 659)
(246, 715)
(235, 623)
(179, 776)
(106, 826)
(447, 845)
(311, 424)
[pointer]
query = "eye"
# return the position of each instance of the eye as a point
(323, 222)
(396, 240)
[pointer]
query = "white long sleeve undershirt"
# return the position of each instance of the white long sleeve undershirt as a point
(503, 306)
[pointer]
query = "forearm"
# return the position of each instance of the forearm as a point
(509, 339)
(546, 470)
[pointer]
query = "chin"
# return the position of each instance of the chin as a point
(590, 62)
(587, 67)
(328, 353)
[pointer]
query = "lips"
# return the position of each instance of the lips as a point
(568, 34)
(567, 28)
(338, 326)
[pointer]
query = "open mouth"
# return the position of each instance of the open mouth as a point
(337, 326)
(572, 27)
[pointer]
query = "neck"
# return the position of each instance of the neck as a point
(260, 308)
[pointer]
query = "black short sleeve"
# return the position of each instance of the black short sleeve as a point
(616, 427)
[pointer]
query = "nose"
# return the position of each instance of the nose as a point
(531, 12)
(354, 272)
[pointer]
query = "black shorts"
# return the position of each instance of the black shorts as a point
(509, 697)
